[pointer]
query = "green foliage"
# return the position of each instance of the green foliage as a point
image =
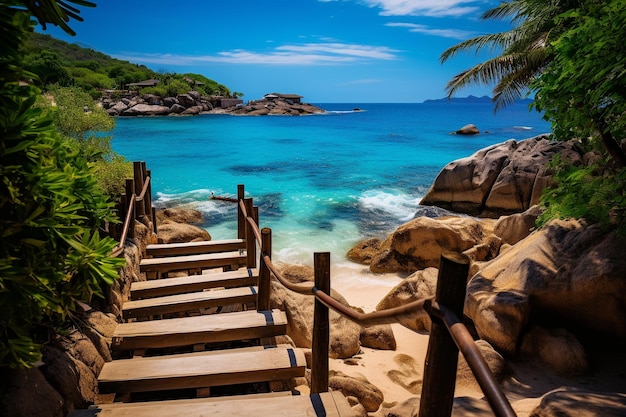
(111, 173)
(583, 90)
(51, 208)
(76, 116)
(583, 93)
(519, 53)
(48, 67)
(94, 71)
(591, 192)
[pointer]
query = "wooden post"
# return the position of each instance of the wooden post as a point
(130, 195)
(442, 355)
(241, 221)
(321, 327)
(148, 206)
(255, 210)
(265, 285)
(121, 208)
(250, 238)
(138, 175)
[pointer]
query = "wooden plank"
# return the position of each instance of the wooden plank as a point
(201, 261)
(330, 404)
(201, 329)
(181, 303)
(191, 248)
(201, 369)
(179, 285)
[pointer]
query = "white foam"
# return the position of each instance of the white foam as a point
(399, 205)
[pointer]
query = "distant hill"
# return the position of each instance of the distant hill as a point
(58, 62)
(469, 99)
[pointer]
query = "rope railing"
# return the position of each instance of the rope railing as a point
(448, 334)
(136, 202)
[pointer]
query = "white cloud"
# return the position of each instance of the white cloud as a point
(432, 8)
(299, 54)
(426, 30)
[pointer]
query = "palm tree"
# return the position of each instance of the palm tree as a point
(525, 49)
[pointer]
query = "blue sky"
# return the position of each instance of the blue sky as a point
(343, 51)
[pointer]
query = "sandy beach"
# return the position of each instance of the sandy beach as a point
(398, 374)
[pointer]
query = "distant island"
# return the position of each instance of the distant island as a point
(470, 99)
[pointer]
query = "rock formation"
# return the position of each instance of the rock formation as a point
(502, 179)
(192, 103)
(469, 129)
(567, 275)
(419, 243)
(275, 106)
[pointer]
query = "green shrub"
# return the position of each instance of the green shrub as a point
(111, 175)
(51, 209)
(595, 192)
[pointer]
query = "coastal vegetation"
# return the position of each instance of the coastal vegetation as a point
(52, 256)
(571, 57)
(57, 62)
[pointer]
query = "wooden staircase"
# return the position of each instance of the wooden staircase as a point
(175, 341)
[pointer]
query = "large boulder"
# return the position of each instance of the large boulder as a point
(117, 108)
(364, 251)
(179, 215)
(469, 129)
(172, 232)
(27, 393)
(186, 100)
(419, 243)
(564, 402)
(567, 275)
(511, 229)
(368, 395)
(143, 109)
(499, 180)
(421, 284)
(558, 349)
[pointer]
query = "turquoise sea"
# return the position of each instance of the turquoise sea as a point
(322, 182)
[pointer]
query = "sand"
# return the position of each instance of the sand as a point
(398, 373)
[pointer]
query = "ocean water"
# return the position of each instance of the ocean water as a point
(322, 182)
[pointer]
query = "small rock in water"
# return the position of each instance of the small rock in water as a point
(469, 129)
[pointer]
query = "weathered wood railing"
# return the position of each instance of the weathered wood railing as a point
(448, 334)
(133, 205)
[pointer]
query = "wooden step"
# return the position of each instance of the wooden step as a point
(193, 248)
(181, 303)
(201, 369)
(192, 283)
(201, 329)
(329, 404)
(233, 260)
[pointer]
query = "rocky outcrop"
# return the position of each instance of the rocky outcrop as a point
(421, 284)
(192, 103)
(419, 243)
(501, 179)
(275, 106)
(566, 275)
(179, 215)
(173, 226)
(153, 105)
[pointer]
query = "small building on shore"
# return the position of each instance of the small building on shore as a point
(290, 98)
(141, 84)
